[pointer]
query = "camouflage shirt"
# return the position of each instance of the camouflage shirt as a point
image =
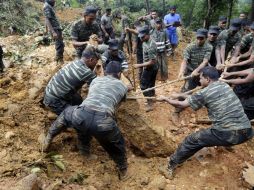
(50, 14)
(246, 42)
(68, 80)
(224, 108)
(161, 39)
(81, 32)
(106, 21)
(230, 41)
(194, 55)
(150, 51)
(106, 58)
(105, 93)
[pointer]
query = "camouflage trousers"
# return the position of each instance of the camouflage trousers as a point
(208, 138)
(90, 123)
(59, 45)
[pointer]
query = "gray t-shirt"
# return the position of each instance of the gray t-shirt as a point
(105, 93)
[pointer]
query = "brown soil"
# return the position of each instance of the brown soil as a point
(23, 120)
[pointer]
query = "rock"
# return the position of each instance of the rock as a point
(203, 173)
(9, 135)
(7, 121)
(29, 182)
(159, 183)
(145, 181)
(3, 153)
(248, 174)
(52, 116)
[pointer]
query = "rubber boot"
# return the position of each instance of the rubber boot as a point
(149, 106)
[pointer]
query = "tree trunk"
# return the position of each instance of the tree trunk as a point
(147, 7)
(188, 23)
(252, 11)
(105, 2)
(164, 7)
(230, 7)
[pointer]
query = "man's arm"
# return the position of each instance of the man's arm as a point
(248, 79)
(182, 69)
(145, 64)
(249, 61)
(175, 103)
(201, 66)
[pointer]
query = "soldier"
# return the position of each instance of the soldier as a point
(196, 56)
(114, 54)
(150, 19)
(1, 60)
(230, 124)
(244, 88)
(83, 29)
(228, 39)
(98, 16)
(213, 41)
(159, 35)
(107, 26)
(172, 21)
(222, 23)
(245, 49)
(150, 66)
(95, 117)
(61, 90)
(137, 49)
(53, 26)
(246, 63)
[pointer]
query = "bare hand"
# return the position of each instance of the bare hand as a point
(180, 75)
(225, 75)
(175, 95)
(195, 73)
(220, 67)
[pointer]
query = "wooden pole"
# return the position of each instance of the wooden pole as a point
(164, 84)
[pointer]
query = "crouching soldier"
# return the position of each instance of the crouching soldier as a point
(96, 117)
(230, 124)
(62, 89)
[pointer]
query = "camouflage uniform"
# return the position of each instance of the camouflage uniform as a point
(61, 91)
(95, 118)
(230, 41)
(149, 73)
(163, 46)
(230, 124)
(50, 14)
(106, 21)
(81, 32)
(246, 42)
(194, 56)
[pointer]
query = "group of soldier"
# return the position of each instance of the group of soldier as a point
(214, 59)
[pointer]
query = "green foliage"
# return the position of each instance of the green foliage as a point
(18, 13)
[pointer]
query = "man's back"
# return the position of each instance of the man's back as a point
(224, 108)
(69, 79)
(105, 93)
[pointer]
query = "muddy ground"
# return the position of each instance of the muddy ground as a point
(23, 119)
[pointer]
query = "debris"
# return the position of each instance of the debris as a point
(77, 178)
(35, 170)
(248, 174)
(29, 182)
(9, 135)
